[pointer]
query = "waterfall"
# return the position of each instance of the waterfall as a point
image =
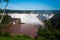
(32, 18)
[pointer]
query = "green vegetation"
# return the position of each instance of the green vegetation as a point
(52, 30)
(7, 36)
(45, 34)
(6, 19)
(14, 38)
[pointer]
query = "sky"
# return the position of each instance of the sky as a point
(32, 5)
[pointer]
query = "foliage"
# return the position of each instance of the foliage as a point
(26, 36)
(45, 34)
(4, 38)
(51, 32)
(16, 37)
(55, 21)
(6, 19)
(1, 34)
(7, 34)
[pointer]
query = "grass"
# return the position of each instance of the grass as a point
(16, 38)
(5, 38)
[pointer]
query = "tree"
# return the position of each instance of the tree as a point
(52, 30)
(55, 21)
(4, 10)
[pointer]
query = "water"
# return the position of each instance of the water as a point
(24, 29)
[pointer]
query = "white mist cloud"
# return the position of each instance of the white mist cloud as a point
(31, 18)
(28, 18)
(48, 16)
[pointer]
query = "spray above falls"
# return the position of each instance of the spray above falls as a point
(32, 18)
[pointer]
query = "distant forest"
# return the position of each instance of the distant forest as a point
(34, 11)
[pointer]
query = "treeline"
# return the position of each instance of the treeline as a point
(16, 11)
(34, 11)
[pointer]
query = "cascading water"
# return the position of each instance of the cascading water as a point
(32, 18)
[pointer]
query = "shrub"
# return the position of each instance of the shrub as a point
(1, 34)
(17, 36)
(7, 34)
(26, 36)
(46, 34)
